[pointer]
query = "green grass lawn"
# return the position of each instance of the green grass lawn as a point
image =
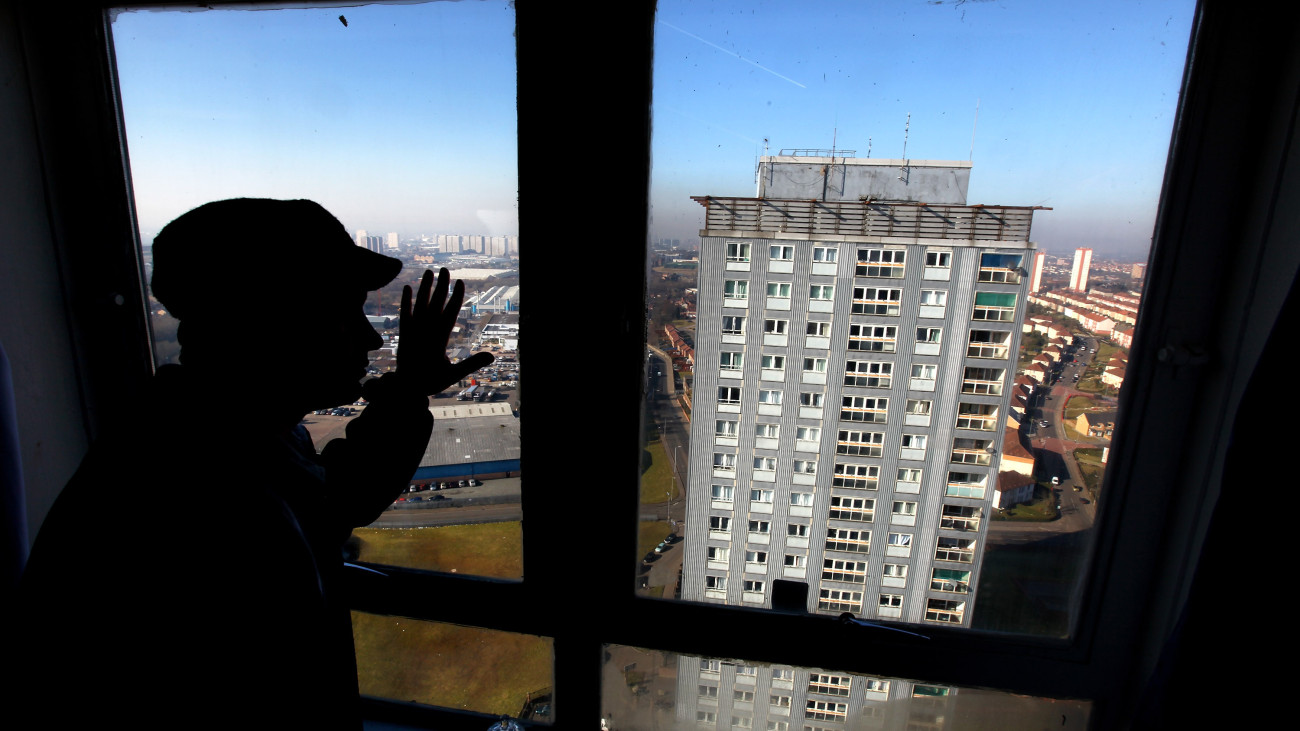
(449, 665)
(1093, 470)
(486, 549)
(657, 475)
(1090, 384)
(1077, 405)
(649, 535)
(1041, 509)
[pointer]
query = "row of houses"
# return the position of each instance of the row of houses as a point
(1098, 305)
(683, 354)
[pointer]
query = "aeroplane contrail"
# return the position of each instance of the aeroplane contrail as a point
(733, 53)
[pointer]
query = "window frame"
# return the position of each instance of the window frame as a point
(1104, 648)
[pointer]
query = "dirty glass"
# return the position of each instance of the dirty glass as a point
(400, 120)
(650, 689)
(962, 192)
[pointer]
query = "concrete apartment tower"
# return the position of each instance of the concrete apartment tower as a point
(856, 347)
(1079, 271)
(1036, 273)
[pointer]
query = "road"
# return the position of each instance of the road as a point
(1054, 457)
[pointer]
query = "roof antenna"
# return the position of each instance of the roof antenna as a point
(972, 131)
(902, 169)
(826, 169)
(868, 148)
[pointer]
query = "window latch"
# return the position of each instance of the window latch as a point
(848, 619)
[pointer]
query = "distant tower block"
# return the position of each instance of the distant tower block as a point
(1079, 272)
(1139, 271)
(1036, 276)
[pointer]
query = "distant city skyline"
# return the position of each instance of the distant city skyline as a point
(405, 119)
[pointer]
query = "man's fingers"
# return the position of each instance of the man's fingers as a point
(452, 310)
(422, 299)
(439, 293)
(471, 364)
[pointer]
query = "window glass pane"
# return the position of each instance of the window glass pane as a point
(653, 689)
(440, 664)
(292, 103)
(969, 237)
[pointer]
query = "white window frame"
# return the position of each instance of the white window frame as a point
(735, 290)
(881, 263)
(825, 254)
(872, 338)
(780, 252)
(938, 258)
(858, 443)
(883, 301)
(869, 374)
(782, 290)
(864, 409)
(821, 292)
(818, 328)
(738, 251)
(850, 476)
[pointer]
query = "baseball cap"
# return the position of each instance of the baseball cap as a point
(232, 255)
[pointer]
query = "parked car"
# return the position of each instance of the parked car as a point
(1056, 480)
(463, 483)
(439, 497)
(474, 483)
(415, 499)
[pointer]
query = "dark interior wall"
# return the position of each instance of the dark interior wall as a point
(34, 326)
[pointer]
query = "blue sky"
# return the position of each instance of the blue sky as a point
(1076, 100)
(405, 119)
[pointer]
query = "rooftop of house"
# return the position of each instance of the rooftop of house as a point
(1009, 480)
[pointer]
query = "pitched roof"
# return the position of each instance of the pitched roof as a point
(1009, 480)
(1013, 447)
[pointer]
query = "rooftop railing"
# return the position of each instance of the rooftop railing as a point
(868, 218)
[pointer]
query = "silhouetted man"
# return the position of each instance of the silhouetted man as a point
(188, 574)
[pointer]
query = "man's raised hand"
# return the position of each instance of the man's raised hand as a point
(424, 327)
